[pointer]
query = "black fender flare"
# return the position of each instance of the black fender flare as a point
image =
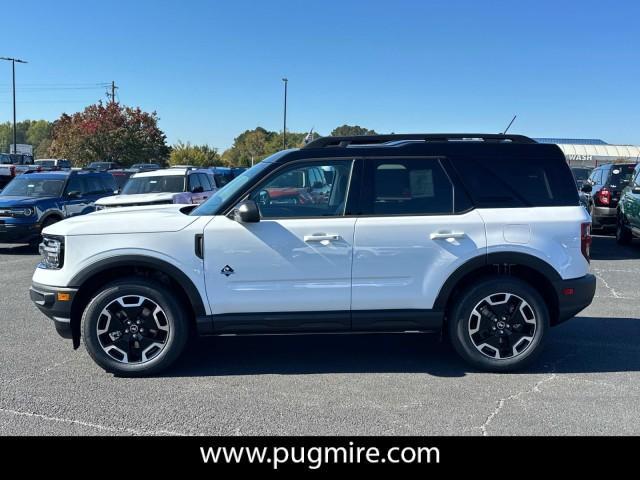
(146, 262)
(495, 258)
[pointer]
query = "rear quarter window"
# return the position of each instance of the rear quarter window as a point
(517, 182)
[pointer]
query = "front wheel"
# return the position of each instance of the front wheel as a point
(499, 324)
(134, 327)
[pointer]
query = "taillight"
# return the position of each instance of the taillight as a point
(604, 196)
(585, 240)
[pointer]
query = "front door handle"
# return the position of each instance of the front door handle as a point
(446, 235)
(321, 238)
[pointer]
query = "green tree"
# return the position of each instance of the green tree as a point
(111, 132)
(197, 155)
(351, 131)
(32, 132)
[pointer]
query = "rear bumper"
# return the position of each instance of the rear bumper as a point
(574, 296)
(19, 232)
(604, 216)
(52, 304)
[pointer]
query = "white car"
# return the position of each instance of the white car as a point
(481, 236)
(159, 187)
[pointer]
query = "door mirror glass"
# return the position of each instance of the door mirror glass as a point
(586, 188)
(247, 212)
(74, 194)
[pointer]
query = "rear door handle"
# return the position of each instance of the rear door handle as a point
(321, 238)
(446, 235)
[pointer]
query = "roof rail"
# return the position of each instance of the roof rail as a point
(324, 142)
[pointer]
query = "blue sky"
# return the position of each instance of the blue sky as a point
(212, 69)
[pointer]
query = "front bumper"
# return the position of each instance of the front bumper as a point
(19, 232)
(574, 295)
(55, 303)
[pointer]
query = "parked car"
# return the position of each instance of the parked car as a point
(122, 176)
(34, 201)
(604, 187)
(14, 164)
(581, 175)
(628, 214)
(221, 175)
(173, 185)
(408, 238)
(103, 166)
(52, 164)
(144, 167)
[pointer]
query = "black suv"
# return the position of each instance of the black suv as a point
(605, 185)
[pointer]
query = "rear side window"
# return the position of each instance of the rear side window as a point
(413, 186)
(517, 182)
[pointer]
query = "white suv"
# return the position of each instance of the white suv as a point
(481, 236)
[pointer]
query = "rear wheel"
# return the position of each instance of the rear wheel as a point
(134, 327)
(623, 233)
(499, 324)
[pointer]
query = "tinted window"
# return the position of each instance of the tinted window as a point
(517, 182)
(75, 185)
(407, 187)
(205, 182)
(620, 175)
(291, 193)
(109, 184)
(595, 177)
(194, 181)
(93, 185)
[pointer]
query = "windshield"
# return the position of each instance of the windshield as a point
(581, 173)
(5, 159)
(34, 187)
(155, 184)
(211, 206)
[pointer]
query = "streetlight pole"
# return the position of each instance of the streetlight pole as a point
(284, 130)
(13, 65)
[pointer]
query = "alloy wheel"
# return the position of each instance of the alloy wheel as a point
(502, 326)
(133, 329)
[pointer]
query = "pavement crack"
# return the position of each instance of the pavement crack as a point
(96, 426)
(607, 286)
(535, 389)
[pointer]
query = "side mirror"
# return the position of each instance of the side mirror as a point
(74, 194)
(247, 212)
(635, 189)
(587, 188)
(197, 190)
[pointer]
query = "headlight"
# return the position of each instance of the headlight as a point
(21, 212)
(52, 251)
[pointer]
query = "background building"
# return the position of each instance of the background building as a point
(591, 152)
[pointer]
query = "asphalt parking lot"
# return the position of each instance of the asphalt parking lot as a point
(587, 381)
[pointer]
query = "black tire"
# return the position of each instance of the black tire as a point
(624, 236)
(172, 314)
(461, 323)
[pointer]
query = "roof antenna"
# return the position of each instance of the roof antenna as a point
(509, 126)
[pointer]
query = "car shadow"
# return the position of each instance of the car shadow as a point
(18, 250)
(582, 345)
(606, 248)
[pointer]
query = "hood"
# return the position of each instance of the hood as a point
(17, 201)
(137, 199)
(148, 219)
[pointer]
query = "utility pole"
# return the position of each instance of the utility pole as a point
(13, 65)
(112, 95)
(284, 129)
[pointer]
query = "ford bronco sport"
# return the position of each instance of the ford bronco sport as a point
(478, 236)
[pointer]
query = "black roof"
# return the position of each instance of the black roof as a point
(442, 144)
(343, 142)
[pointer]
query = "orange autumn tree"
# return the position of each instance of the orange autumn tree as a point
(109, 132)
